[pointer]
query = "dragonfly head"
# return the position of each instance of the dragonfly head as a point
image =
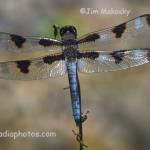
(68, 32)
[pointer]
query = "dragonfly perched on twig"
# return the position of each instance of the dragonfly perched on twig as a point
(110, 49)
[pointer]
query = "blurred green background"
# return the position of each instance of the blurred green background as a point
(119, 102)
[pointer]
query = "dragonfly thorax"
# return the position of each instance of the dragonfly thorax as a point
(70, 49)
(69, 42)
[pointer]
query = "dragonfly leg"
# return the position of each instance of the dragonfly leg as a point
(66, 88)
(84, 117)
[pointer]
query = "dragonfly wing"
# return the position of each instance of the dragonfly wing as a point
(34, 69)
(131, 34)
(90, 62)
(16, 43)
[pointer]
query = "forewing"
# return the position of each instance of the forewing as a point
(131, 34)
(12, 43)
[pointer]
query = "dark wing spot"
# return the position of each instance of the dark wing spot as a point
(18, 40)
(148, 19)
(148, 55)
(23, 66)
(90, 55)
(118, 56)
(90, 38)
(118, 30)
(51, 59)
(48, 42)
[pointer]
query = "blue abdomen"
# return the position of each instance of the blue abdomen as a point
(74, 89)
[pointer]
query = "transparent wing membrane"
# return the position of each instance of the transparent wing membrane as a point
(112, 61)
(128, 35)
(16, 43)
(34, 69)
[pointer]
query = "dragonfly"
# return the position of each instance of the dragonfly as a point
(111, 49)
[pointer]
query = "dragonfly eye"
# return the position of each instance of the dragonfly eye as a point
(70, 29)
